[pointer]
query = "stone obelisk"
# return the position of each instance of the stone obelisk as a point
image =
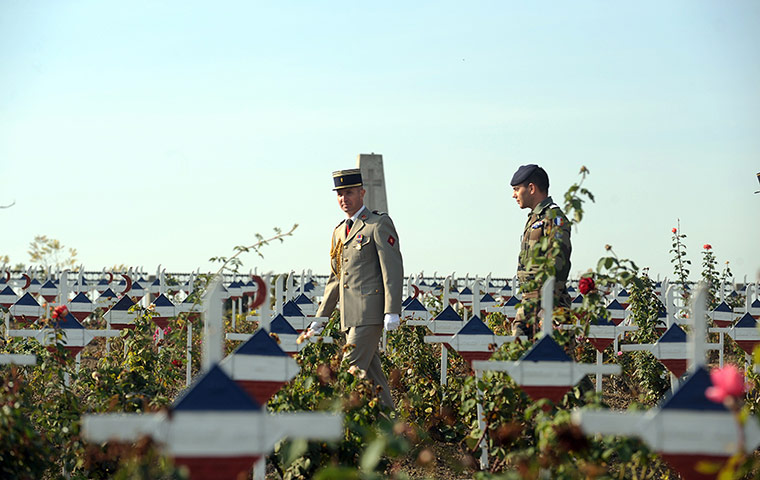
(373, 176)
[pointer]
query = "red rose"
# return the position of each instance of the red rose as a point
(60, 312)
(707, 246)
(586, 285)
(674, 230)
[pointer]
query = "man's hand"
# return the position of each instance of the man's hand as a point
(317, 327)
(391, 321)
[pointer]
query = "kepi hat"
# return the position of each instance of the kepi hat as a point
(347, 178)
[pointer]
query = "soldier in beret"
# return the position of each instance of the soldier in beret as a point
(367, 277)
(530, 185)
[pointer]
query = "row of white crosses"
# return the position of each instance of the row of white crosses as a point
(671, 348)
(287, 321)
(121, 314)
(687, 428)
(27, 310)
(217, 428)
(118, 316)
(545, 371)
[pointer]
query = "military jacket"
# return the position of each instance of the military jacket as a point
(544, 220)
(367, 273)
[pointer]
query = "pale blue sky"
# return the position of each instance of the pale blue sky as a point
(168, 132)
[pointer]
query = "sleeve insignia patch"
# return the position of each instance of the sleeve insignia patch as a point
(391, 240)
(559, 221)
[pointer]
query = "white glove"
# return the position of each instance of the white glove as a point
(391, 321)
(317, 327)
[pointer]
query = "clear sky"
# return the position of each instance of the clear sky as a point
(170, 131)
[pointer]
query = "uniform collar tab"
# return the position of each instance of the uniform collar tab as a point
(543, 205)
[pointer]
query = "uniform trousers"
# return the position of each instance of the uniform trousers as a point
(365, 356)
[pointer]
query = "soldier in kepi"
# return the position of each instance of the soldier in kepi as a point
(367, 277)
(530, 185)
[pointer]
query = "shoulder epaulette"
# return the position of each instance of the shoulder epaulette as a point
(376, 212)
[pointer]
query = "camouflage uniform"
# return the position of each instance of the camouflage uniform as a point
(544, 220)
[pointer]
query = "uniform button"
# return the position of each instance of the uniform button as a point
(376, 290)
(345, 260)
(345, 285)
(346, 273)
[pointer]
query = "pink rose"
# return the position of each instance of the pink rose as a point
(727, 382)
(674, 230)
(707, 246)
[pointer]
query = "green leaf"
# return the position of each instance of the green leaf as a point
(372, 453)
(338, 473)
(295, 449)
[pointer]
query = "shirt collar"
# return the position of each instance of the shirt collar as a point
(358, 212)
(542, 206)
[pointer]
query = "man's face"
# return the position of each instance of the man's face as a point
(524, 194)
(351, 199)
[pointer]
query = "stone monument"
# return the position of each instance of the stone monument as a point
(373, 176)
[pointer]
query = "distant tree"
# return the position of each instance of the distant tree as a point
(49, 252)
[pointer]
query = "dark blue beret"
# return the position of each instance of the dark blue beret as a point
(522, 174)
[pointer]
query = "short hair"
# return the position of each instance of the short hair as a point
(539, 178)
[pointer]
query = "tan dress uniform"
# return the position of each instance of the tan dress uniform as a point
(367, 281)
(544, 220)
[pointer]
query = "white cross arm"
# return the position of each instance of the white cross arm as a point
(546, 373)
(437, 338)
(416, 315)
(242, 337)
(470, 343)
(709, 433)
(213, 433)
(260, 368)
(124, 427)
(72, 337)
(720, 329)
(636, 347)
(605, 422)
(17, 359)
(306, 425)
(238, 337)
(45, 336)
(241, 433)
(417, 323)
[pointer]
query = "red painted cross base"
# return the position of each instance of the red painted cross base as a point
(122, 326)
(80, 315)
(555, 393)
(72, 351)
(161, 322)
(472, 356)
(217, 468)
(748, 345)
(688, 465)
(676, 366)
(601, 344)
(260, 390)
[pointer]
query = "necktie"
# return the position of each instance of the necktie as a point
(349, 224)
